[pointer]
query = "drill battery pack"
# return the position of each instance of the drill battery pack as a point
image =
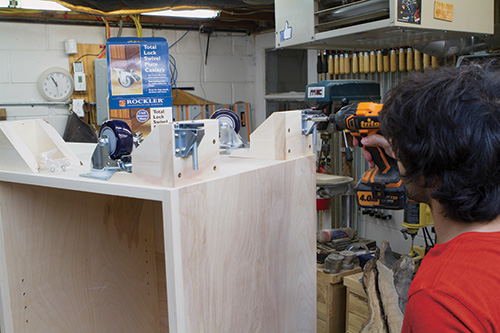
(373, 193)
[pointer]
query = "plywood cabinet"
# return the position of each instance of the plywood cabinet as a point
(233, 252)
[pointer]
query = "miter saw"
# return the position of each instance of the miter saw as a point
(229, 127)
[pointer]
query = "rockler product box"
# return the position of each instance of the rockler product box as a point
(140, 89)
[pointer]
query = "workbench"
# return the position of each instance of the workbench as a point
(230, 252)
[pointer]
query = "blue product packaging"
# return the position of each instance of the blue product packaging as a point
(140, 88)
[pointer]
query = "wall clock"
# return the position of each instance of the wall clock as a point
(56, 84)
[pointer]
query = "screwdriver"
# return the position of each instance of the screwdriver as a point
(330, 64)
(347, 63)
(325, 65)
(380, 63)
(355, 64)
(373, 62)
(402, 65)
(394, 65)
(385, 56)
(409, 59)
(418, 60)
(341, 63)
(319, 67)
(336, 64)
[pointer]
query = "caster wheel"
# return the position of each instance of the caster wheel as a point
(229, 117)
(120, 138)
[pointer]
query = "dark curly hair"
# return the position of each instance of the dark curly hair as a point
(444, 126)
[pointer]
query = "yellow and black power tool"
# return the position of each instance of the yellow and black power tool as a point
(380, 187)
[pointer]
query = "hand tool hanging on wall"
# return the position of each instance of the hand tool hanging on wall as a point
(380, 62)
(409, 59)
(402, 60)
(366, 62)
(336, 64)
(324, 65)
(394, 65)
(373, 62)
(319, 67)
(361, 61)
(427, 60)
(418, 60)
(386, 60)
(355, 63)
(330, 64)
(341, 63)
(434, 62)
(347, 63)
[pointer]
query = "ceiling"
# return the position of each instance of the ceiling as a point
(249, 16)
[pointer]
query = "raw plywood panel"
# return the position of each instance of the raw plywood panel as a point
(248, 251)
(79, 262)
(278, 138)
(21, 143)
(155, 161)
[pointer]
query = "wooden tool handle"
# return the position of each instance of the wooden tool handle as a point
(373, 62)
(418, 60)
(355, 63)
(394, 65)
(347, 63)
(387, 64)
(409, 59)
(380, 62)
(336, 64)
(427, 61)
(434, 62)
(330, 64)
(402, 60)
(361, 62)
(366, 63)
(341, 63)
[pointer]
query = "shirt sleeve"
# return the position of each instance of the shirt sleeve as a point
(434, 311)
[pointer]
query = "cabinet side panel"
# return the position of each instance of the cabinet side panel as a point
(79, 262)
(248, 251)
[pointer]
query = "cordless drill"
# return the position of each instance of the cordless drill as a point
(380, 187)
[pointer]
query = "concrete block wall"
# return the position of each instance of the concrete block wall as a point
(28, 49)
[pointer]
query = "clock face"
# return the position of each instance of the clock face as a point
(56, 84)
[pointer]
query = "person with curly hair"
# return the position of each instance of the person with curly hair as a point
(443, 127)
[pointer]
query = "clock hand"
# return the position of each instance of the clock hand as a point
(54, 81)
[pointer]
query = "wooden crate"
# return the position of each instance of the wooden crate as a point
(357, 304)
(331, 300)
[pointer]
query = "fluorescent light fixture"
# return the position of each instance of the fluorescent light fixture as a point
(34, 4)
(195, 13)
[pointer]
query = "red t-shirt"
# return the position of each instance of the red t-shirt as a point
(457, 287)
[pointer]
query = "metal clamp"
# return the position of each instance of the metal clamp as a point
(187, 138)
(310, 120)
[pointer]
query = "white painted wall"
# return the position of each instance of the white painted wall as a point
(27, 49)
(235, 71)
